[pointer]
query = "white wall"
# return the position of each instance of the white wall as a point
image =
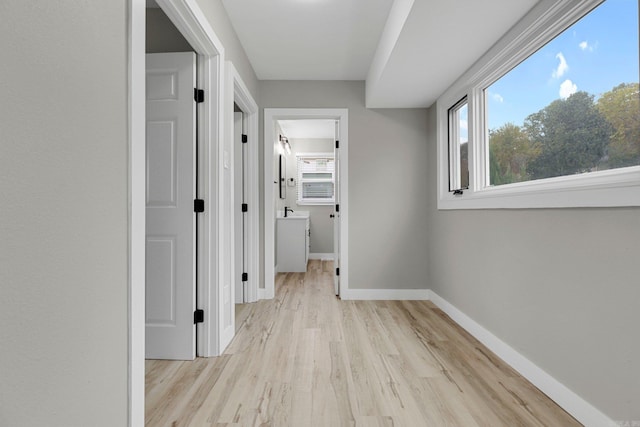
(561, 286)
(387, 181)
(63, 214)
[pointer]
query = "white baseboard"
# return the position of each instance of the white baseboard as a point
(326, 256)
(264, 294)
(384, 294)
(580, 409)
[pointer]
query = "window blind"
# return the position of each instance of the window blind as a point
(315, 178)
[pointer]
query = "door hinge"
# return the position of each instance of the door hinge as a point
(198, 316)
(338, 271)
(244, 139)
(198, 205)
(337, 208)
(245, 277)
(245, 207)
(337, 144)
(198, 95)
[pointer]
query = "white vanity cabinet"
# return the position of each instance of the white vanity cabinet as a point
(293, 235)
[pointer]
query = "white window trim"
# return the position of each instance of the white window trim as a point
(309, 201)
(318, 202)
(616, 187)
(453, 144)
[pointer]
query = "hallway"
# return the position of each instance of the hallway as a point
(306, 358)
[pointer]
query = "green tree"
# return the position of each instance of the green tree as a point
(510, 152)
(464, 165)
(571, 134)
(621, 107)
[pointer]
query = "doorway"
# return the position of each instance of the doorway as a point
(242, 140)
(191, 23)
(172, 187)
(240, 207)
(273, 204)
(307, 149)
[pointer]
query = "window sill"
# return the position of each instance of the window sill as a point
(315, 202)
(611, 188)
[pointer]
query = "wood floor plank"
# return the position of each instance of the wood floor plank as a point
(306, 358)
(341, 383)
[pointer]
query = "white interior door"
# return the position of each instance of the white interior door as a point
(336, 211)
(239, 217)
(170, 238)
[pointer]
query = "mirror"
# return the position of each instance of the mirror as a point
(282, 177)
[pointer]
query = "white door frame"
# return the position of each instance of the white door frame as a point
(239, 93)
(270, 116)
(188, 18)
(336, 211)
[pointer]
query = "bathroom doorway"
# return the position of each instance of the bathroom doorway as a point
(314, 144)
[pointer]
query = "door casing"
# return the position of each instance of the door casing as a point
(336, 211)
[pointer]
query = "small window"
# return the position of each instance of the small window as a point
(315, 178)
(458, 147)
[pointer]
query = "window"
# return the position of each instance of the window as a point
(315, 178)
(458, 147)
(549, 117)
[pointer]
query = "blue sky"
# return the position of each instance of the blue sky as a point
(595, 54)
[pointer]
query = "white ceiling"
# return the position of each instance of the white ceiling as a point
(408, 51)
(439, 40)
(309, 39)
(308, 128)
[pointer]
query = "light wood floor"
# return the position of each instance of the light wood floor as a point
(306, 358)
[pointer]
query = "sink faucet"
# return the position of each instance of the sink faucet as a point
(287, 209)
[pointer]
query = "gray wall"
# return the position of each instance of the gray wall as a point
(561, 286)
(387, 152)
(162, 35)
(63, 215)
(320, 222)
(233, 50)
